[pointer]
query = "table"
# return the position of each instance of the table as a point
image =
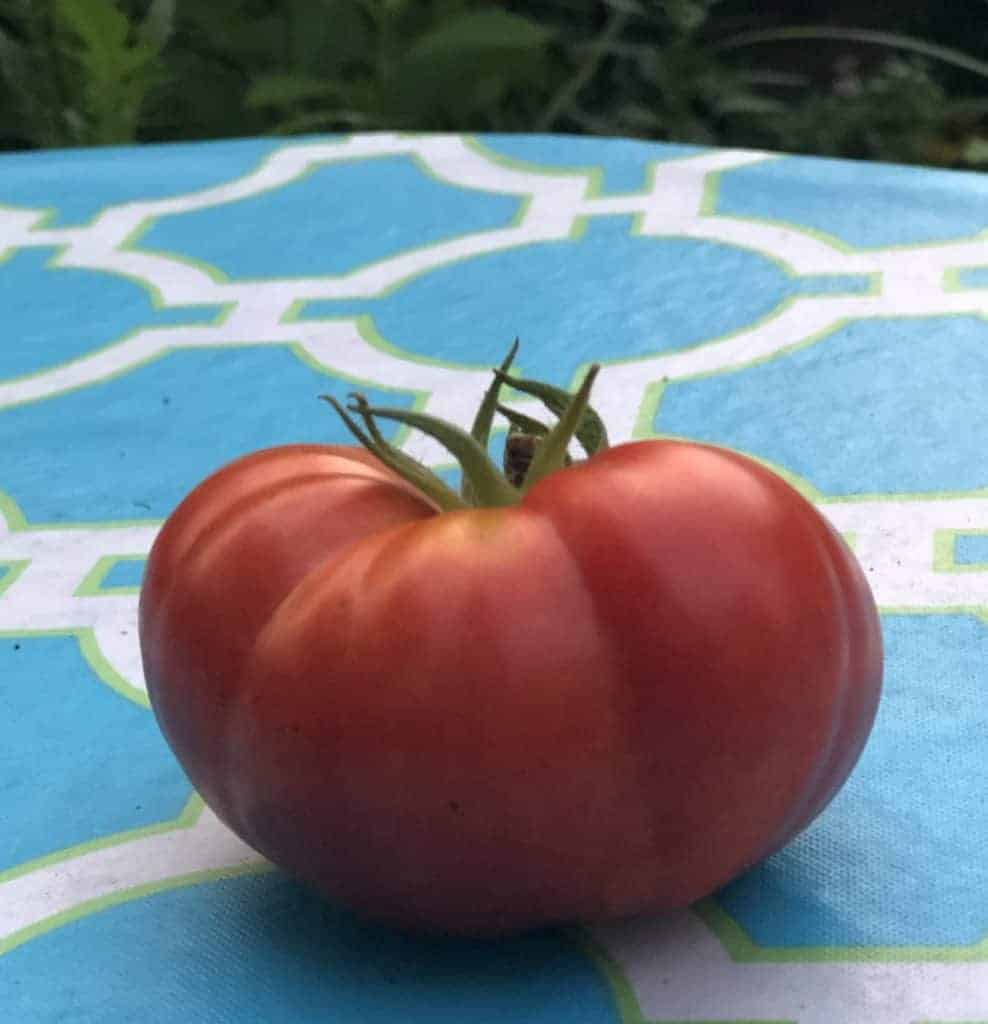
(167, 308)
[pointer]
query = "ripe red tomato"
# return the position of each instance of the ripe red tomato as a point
(608, 699)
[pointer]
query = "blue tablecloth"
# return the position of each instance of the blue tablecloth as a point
(165, 309)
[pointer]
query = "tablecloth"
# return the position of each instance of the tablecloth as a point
(165, 309)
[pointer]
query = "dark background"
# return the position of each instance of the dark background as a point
(904, 81)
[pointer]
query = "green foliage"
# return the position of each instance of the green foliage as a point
(390, 66)
(693, 71)
(76, 72)
(84, 72)
(896, 113)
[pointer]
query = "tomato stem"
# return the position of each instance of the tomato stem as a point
(532, 451)
(524, 423)
(524, 436)
(590, 431)
(550, 454)
(488, 486)
(484, 420)
(445, 498)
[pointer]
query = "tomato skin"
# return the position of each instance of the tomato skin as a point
(224, 559)
(607, 700)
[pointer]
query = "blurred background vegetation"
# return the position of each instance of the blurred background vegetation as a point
(898, 80)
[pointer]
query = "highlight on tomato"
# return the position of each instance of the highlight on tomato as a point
(574, 690)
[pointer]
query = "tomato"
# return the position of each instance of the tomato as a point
(608, 698)
(224, 561)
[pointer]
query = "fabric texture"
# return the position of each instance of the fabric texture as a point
(166, 309)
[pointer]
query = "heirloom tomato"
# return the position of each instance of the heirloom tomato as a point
(602, 693)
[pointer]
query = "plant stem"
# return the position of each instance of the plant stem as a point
(551, 452)
(572, 88)
(891, 40)
(445, 498)
(524, 423)
(590, 430)
(484, 420)
(489, 487)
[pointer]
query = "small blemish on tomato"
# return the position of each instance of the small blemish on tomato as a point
(455, 807)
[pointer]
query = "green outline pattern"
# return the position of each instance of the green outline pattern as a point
(944, 554)
(218, 276)
(952, 278)
(711, 199)
(593, 175)
(186, 818)
(625, 1001)
(49, 213)
(12, 571)
(157, 300)
(115, 899)
(726, 929)
(743, 949)
(17, 521)
(92, 582)
(92, 655)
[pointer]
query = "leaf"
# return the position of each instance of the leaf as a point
(21, 116)
(446, 10)
(15, 63)
(688, 16)
(750, 103)
(447, 69)
(158, 25)
(202, 97)
(99, 25)
(643, 118)
(325, 37)
(628, 7)
(328, 120)
(234, 36)
(33, 70)
(970, 106)
(288, 90)
(114, 69)
(766, 76)
(478, 32)
(976, 152)
(327, 104)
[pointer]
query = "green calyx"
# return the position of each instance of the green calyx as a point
(532, 451)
